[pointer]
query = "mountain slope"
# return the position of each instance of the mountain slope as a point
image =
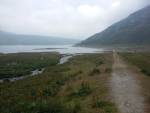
(7, 38)
(132, 31)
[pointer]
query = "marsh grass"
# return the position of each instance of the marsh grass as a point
(20, 64)
(95, 71)
(146, 71)
(48, 92)
(83, 90)
(141, 60)
(104, 104)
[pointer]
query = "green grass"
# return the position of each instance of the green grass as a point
(50, 91)
(141, 60)
(20, 64)
(83, 90)
(107, 106)
(95, 71)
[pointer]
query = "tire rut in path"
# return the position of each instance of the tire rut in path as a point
(124, 88)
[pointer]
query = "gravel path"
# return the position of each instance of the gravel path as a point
(125, 89)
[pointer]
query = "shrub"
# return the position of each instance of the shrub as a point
(99, 63)
(94, 72)
(60, 82)
(48, 92)
(84, 90)
(146, 72)
(45, 106)
(52, 88)
(73, 107)
(76, 73)
(106, 106)
(108, 70)
(100, 104)
(33, 92)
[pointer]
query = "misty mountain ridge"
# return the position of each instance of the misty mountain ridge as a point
(131, 31)
(7, 38)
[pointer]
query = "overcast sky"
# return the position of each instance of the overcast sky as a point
(64, 18)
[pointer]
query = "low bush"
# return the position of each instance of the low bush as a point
(20, 64)
(52, 106)
(99, 63)
(146, 72)
(72, 75)
(106, 106)
(73, 107)
(95, 71)
(84, 90)
(108, 70)
(52, 89)
(76, 73)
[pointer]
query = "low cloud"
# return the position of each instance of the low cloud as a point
(64, 18)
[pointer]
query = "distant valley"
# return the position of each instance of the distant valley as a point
(7, 38)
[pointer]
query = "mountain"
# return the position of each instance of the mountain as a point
(131, 31)
(7, 38)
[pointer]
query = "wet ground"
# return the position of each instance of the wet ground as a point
(62, 60)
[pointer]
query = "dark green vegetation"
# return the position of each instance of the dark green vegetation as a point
(66, 88)
(12, 65)
(141, 60)
(132, 31)
(105, 105)
(83, 90)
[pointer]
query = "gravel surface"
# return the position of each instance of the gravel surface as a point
(124, 88)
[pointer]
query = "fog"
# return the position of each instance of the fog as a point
(64, 18)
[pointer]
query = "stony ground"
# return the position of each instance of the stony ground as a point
(125, 89)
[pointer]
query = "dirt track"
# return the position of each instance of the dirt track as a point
(125, 89)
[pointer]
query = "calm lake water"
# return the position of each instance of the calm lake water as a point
(68, 50)
(63, 49)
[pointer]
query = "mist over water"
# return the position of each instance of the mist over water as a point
(62, 49)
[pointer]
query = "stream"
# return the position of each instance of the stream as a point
(33, 73)
(63, 59)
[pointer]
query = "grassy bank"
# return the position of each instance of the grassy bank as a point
(142, 63)
(78, 86)
(141, 60)
(20, 64)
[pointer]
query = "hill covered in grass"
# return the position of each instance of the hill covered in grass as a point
(131, 31)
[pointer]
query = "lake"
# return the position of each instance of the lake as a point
(62, 49)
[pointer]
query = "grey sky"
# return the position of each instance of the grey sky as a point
(64, 18)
